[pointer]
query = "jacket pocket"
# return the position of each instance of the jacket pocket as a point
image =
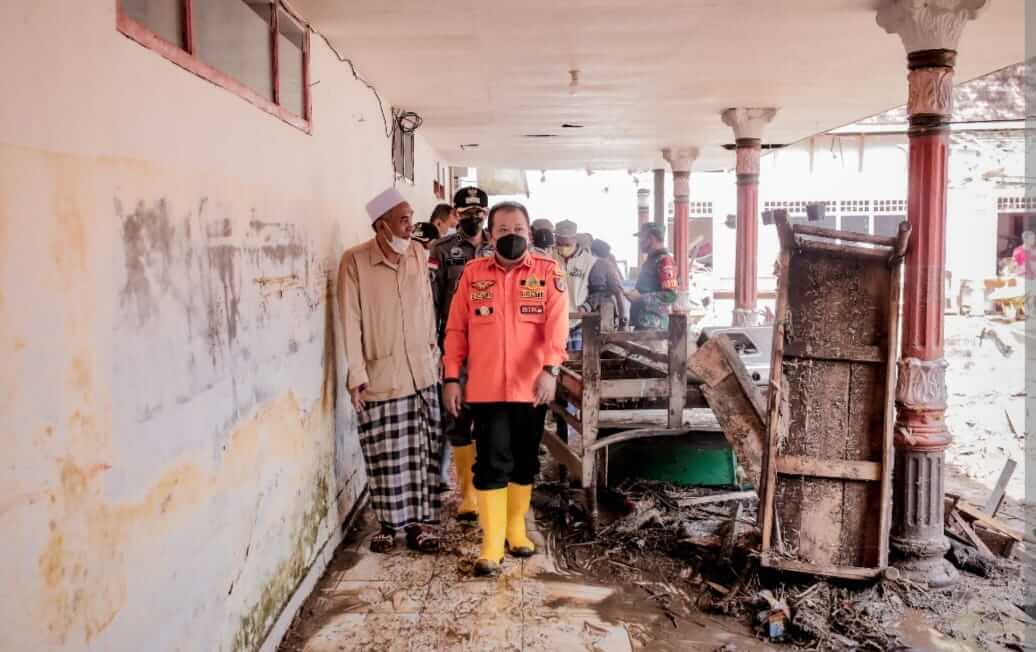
(381, 375)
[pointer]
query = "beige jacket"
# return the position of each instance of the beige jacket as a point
(388, 321)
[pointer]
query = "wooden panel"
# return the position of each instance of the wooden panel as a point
(831, 414)
(832, 469)
(735, 400)
(591, 392)
(847, 236)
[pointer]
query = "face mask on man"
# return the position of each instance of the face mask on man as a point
(566, 250)
(471, 226)
(512, 246)
(395, 243)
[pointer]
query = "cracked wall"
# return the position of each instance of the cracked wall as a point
(176, 448)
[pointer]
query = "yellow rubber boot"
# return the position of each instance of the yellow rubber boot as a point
(519, 496)
(464, 458)
(492, 516)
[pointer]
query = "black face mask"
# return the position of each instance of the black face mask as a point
(511, 247)
(543, 238)
(470, 226)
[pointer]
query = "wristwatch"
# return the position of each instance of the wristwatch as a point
(553, 371)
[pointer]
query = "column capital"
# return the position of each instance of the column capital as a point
(643, 196)
(748, 122)
(680, 159)
(928, 24)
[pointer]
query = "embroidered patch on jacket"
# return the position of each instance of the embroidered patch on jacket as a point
(532, 295)
(531, 310)
(483, 285)
(532, 282)
(433, 264)
(478, 296)
(484, 311)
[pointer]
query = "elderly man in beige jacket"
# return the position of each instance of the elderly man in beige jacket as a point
(388, 321)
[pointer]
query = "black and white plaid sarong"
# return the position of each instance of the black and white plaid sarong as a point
(402, 443)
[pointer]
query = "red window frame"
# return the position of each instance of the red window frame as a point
(186, 59)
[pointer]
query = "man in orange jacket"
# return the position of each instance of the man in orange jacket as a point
(509, 323)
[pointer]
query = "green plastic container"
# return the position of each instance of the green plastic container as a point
(698, 459)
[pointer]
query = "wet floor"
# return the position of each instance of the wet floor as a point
(408, 602)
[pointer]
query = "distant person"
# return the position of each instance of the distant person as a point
(543, 237)
(1024, 256)
(577, 263)
(393, 378)
(449, 257)
(655, 292)
(445, 219)
(605, 284)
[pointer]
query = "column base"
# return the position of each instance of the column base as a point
(925, 563)
(743, 317)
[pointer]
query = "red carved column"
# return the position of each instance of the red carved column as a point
(643, 211)
(747, 125)
(681, 160)
(930, 35)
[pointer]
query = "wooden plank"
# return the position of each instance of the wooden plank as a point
(571, 381)
(992, 505)
(889, 419)
(631, 435)
(861, 532)
(827, 570)
(635, 336)
(834, 469)
(591, 393)
(848, 236)
(735, 400)
(717, 498)
(702, 419)
(973, 538)
(842, 250)
(560, 451)
(637, 349)
(768, 473)
(559, 410)
(834, 352)
(635, 388)
(991, 522)
(677, 368)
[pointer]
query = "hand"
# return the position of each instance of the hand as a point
(545, 389)
(451, 395)
(356, 394)
(633, 295)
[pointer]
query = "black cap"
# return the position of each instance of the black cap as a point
(425, 232)
(653, 228)
(470, 197)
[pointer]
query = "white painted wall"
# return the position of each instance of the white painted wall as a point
(172, 453)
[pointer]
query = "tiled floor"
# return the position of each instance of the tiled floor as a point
(409, 602)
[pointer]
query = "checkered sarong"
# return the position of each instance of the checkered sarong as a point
(575, 339)
(402, 443)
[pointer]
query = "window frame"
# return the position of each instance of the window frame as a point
(186, 58)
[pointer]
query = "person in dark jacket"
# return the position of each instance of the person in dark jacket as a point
(656, 287)
(606, 283)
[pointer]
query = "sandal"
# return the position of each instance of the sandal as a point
(417, 539)
(383, 542)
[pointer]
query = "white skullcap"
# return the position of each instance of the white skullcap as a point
(383, 203)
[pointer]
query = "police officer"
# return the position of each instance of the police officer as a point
(448, 258)
(655, 292)
(508, 323)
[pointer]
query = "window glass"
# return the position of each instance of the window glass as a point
(233, 36)
(290, 63)
(163, 17)
(887, 225)
(856, 223)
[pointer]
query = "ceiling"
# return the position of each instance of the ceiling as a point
(653, 73)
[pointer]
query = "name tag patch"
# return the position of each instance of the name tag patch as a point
(479, 296)
(534, 295)
(531, 310)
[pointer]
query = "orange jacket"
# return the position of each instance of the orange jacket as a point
(507, 326)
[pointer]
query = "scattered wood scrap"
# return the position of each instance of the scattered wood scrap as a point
(996, 498)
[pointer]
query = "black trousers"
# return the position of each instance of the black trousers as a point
(507, 443)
